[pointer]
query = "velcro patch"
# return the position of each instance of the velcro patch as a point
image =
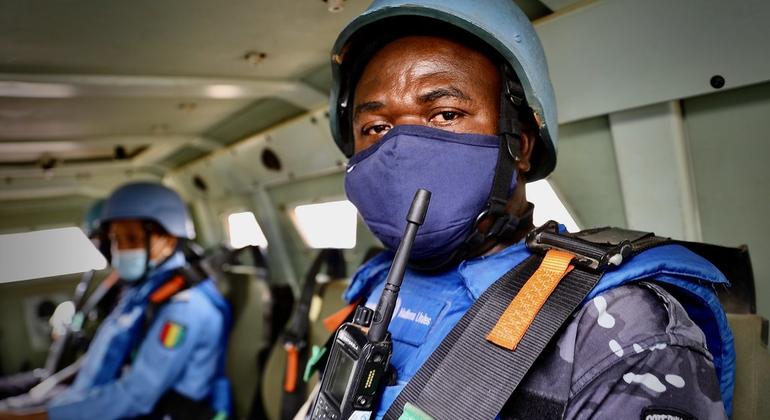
(172, 334)
(665, 413)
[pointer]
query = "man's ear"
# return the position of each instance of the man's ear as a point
(162, 245)
(525, 153)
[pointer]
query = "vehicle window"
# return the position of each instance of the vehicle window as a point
(243, 230)
(548, 205)
(327, 225)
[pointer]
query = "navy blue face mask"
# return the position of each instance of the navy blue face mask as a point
(457, 168)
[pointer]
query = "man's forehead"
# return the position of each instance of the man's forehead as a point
(424, 62)
(126, 225)
(428, 45)
(422, 54)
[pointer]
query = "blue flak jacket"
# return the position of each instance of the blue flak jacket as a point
(189, 361)
(430, 304)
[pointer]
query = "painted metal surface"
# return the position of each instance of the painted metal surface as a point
(655, 175)
(609, 56)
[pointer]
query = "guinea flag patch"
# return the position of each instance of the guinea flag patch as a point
(172, 335)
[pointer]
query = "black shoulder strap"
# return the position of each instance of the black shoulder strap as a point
(469, 377)
(296, 335)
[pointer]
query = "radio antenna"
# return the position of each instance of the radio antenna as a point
(387, 303)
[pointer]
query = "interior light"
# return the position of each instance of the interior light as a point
(244, 230)
(224, 91)
(327, 225)
(548, 206)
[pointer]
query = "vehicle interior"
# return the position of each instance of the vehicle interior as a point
(664, 115)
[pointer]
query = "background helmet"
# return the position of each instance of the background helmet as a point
(152, 202)
(500, 24)
(92, 221)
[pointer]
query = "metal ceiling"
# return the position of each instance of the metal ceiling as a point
(168, 81)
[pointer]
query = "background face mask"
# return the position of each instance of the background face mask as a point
(457, 168)
(130, 263)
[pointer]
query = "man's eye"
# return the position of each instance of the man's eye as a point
(445, 116)
(376, 129)
(449, 115)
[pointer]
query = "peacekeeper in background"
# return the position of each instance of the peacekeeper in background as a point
(22, 382)
(423, 90)
(161, 350)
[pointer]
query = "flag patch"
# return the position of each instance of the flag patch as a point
(172, 335)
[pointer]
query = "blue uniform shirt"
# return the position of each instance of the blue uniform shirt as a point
(180, 351)
(430, 304)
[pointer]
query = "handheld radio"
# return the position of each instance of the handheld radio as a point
(358, 359)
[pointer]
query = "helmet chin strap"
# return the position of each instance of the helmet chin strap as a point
(147, 242)
(148, 229)
(503, 224)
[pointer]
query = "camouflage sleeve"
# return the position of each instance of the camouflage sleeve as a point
(637, 355)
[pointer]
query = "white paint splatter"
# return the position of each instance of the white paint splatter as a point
(605, 320)
(638, 348)
(648, 379)
(675, 380)
(659, 346)
(615, 347)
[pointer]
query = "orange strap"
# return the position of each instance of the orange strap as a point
(170, 288)
(292, 366)
(517, 318)
(333, 321)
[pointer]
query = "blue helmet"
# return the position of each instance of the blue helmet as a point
(92, 221)
(498, 23)
(153, 202)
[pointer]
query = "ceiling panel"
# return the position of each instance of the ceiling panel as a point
(83, 52)
(258, 116)
(40, 119)
(174, 37)
(182, 156)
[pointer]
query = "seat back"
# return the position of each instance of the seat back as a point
(327, 301)
(752, 373)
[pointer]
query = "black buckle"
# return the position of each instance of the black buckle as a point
(587, 254)
(291, 339)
